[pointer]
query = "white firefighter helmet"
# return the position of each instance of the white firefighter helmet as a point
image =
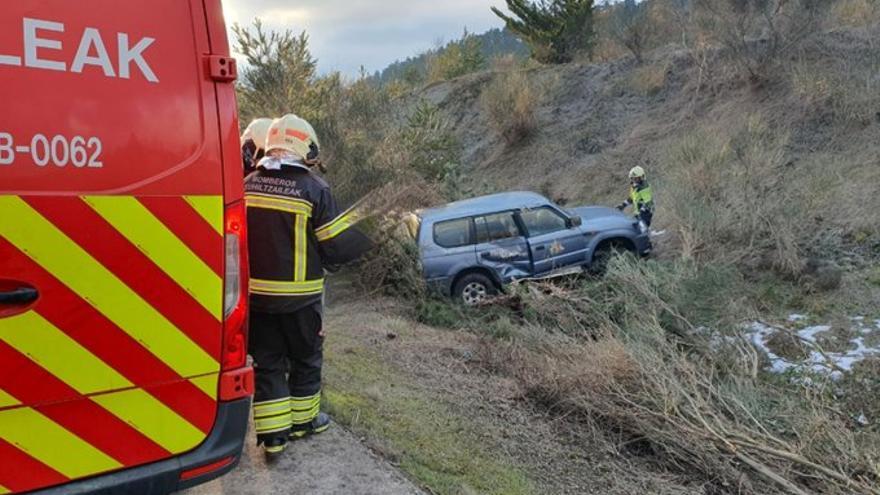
(638, 173)
(293, 134)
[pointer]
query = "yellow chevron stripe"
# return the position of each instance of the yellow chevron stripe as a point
(52, 445)
(55, 252)
(152, 418)
(207, 384)
(210, 208)
(4, 490)
(7, 400)
(77, 367)
(138, 225)
(60, 355)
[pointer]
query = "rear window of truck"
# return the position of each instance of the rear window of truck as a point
(453, 233)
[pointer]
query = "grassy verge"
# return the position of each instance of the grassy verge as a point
(408, 422)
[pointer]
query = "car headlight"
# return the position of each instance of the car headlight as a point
(643, 227)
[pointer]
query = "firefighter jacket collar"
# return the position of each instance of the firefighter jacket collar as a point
(276, 162)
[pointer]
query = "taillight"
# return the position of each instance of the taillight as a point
(236, 289)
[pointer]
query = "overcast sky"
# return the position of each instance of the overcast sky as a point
(346, 34)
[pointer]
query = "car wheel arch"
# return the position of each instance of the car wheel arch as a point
(612, 242)
(478, 270)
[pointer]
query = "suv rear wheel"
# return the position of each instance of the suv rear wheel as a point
(473, 289)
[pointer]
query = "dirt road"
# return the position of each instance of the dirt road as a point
(334, 463)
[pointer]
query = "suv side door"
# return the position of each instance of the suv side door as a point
(553, 241)
(502, 246)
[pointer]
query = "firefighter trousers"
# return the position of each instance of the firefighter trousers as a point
(288, 354)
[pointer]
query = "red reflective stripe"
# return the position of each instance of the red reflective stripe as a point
(210, 468)
(190, 227)
(297, 134)
(110, 248)
(74, 412)
(81, 322)
(29, 383)
(20, 472)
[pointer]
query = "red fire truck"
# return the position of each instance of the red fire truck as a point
(123, 271)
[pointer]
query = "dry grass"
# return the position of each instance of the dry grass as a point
(855, 13)
(849, 91)
(652, 380)
(649, 80)
(510, 102)
(731, 198)
(756, 36)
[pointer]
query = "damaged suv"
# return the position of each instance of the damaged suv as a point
(471, 249)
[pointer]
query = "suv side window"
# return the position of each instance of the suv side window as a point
(453, 233)
(540, 221)
(492, 228)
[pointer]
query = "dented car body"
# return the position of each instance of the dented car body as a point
(516, 236)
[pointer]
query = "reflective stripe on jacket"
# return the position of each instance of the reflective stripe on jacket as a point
(294, 230)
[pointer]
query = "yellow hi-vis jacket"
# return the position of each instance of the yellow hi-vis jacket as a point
(641, 198)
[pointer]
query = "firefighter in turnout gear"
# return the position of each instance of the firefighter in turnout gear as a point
(253, 144)
(641, 197)
(295, 230)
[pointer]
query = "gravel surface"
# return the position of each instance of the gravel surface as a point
(333, 463)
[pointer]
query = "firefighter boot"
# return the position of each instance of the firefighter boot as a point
(320, 424)
(274, 448)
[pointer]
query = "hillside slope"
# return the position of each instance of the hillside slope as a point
(596, 121)
(768, 194)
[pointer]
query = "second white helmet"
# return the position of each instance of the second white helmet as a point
(257, 131)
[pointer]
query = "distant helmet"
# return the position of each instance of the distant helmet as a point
(638, 173)
(295, 135)
(257, 131)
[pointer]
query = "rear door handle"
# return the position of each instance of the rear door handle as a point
(540, 248)
(23, 295)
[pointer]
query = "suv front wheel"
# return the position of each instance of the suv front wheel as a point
(473, 289)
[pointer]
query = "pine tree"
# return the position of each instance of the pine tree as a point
(557, 30)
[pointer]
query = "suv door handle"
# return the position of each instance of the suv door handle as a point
(23, 295)
(540, 248)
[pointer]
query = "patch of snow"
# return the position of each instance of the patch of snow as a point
(832, 364)
(656, 233)
(809, 333)
(796, 318)
(863, 420)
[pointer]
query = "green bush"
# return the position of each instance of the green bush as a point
(433, 149)
(458, 58)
